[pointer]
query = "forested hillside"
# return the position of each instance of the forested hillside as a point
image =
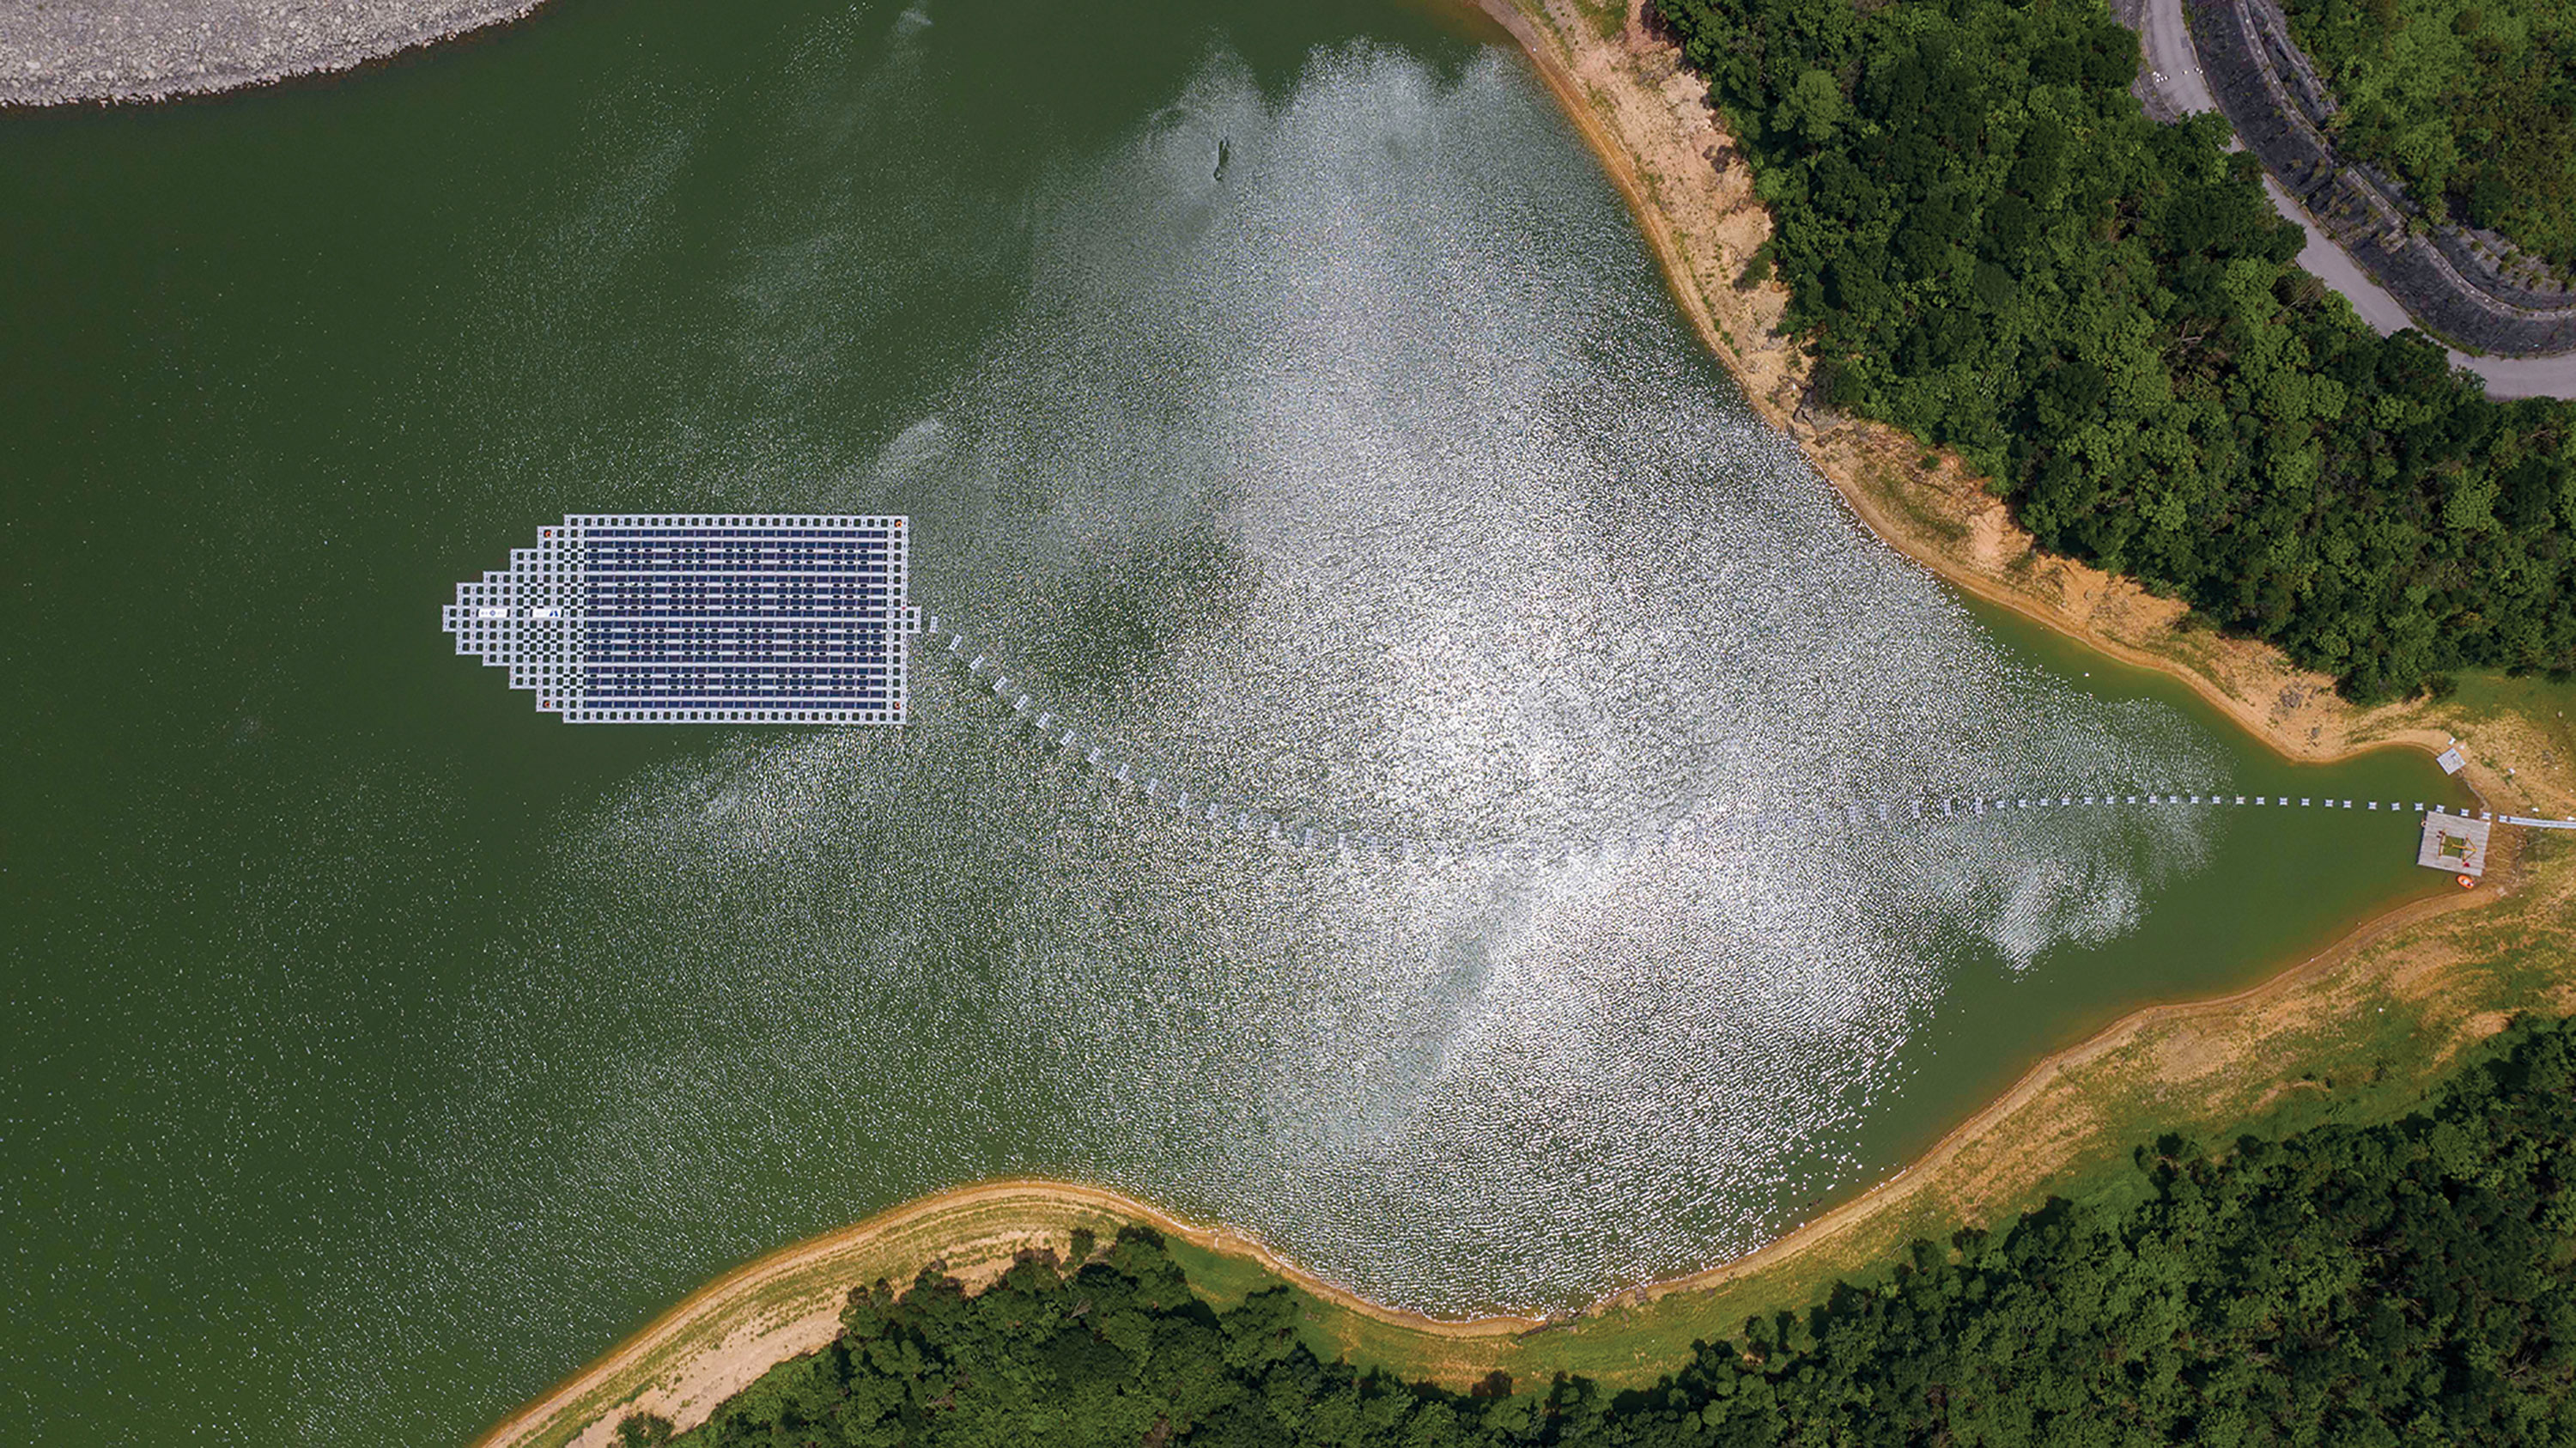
(1991, 246)
(2408, 1283)
(2472, 103)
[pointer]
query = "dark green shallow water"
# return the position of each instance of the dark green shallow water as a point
(379, 1051)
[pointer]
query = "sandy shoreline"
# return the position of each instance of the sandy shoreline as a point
(716, 1341)
(1649, 124)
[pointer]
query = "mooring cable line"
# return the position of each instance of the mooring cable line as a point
(1108, 764)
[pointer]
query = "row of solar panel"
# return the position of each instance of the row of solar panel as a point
(682, 562)
(695, 583)
(576, 537)
(747, 645)
(855, 600)
(683, 567)
(665, 698)
(730, 716)
(628, 575)
(594, 543)
(835, 522)
(592, 537)
(868, 582)
(738, 658)
(647, 618)
(800, 629)
(674, 663)
(854, 596)
(784, 653)
(675, 674)
(667, 577)
(811, 555)
(824, 608)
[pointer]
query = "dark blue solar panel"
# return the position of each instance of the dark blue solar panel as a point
(734, 617)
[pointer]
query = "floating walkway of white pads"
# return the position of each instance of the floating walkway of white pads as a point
(1104, 756)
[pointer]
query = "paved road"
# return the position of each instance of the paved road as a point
(2171, 86)
(2505, 377)
(2173, 69)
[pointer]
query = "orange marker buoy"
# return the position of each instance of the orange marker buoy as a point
(2468, 882)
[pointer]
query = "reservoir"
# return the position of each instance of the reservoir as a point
(1285, 393)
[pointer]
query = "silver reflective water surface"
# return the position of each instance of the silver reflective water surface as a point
(1366, 477)
(1302, 416)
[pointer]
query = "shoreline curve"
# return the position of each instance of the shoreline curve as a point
(1034, 1214)
(1648, 122)
(976, 1230)
(1943, 522)
(1607, 87)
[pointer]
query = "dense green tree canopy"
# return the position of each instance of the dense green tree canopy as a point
(1991, 246)
(2472, 103)
(2406, 1283)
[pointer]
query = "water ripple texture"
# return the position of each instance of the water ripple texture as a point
(1364, 475)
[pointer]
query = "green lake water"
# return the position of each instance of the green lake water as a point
(379, 1051)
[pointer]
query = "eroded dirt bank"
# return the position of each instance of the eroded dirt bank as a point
(729, 1332)
(2401, 995)
(1649, 121)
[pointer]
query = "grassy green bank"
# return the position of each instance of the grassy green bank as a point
(2361, 1035)
(2355, 1037)
(2393, 1269)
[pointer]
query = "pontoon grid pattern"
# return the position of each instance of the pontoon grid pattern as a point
(662, 618)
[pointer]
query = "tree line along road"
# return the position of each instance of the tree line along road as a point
(2173, 83)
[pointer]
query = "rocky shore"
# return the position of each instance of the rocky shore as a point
(64, 52)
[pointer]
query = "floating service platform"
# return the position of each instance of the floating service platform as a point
(2455, 844)
(696, 618)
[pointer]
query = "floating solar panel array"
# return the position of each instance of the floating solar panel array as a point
(660, 618)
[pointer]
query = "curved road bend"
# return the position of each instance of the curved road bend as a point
(2171, 86)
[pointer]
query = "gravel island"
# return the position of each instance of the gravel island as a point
(59, 52)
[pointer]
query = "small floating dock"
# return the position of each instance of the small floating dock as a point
(2454, 845)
